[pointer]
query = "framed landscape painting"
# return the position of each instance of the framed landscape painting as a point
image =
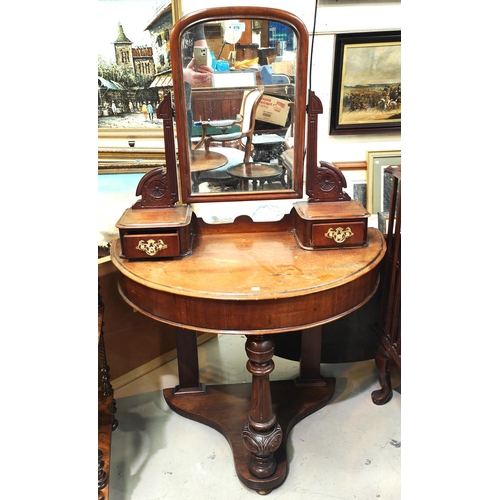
(366, 92)
(133, 76)
(133, 65)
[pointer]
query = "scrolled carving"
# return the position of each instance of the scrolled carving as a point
(153, 189)
(262, 444)
(156, 189)
(329, 184)
(262, 435)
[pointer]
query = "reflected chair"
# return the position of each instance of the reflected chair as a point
(245, 121)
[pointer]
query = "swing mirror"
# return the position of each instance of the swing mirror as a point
(240, 78)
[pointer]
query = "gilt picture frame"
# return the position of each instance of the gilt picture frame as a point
(379, 187)
(366, 84)
(128, 139)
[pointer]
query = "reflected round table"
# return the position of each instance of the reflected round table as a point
(212, 165)
(202, 160)
(256, 284)
(257, 172)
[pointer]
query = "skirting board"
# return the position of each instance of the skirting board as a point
(138, 372)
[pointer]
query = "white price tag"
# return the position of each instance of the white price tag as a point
(237, 26)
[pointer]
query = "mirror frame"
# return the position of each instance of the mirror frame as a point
(256, 13)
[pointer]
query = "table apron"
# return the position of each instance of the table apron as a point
(250, 317)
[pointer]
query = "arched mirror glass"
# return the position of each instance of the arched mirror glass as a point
(240, 103)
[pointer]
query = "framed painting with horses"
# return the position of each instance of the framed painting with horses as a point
(366, 92)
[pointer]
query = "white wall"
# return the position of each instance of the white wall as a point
(334, 16)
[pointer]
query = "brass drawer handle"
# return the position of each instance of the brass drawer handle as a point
(151, 247)
(339, 235)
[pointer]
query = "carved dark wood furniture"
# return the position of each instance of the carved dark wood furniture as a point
(267, 147)
(257, 279)
(106, 411)
(218, 105)
(388, 328)
(252, 279)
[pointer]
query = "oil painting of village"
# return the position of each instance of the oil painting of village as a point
(134, 68)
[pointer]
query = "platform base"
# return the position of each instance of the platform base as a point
(225, 408)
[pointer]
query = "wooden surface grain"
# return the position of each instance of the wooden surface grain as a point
(252, 283)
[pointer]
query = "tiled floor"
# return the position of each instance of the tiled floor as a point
(350, 449)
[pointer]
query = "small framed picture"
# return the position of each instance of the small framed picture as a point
(256, 24)
(379, 186)
(355, 176)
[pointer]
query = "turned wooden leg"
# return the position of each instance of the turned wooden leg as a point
(114, 423)
(262, 435)
(382, 362)
(105, 377)
(187, 361)
(102, 477)
(106, 387)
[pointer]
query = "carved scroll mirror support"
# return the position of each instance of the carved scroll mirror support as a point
(324, 182)
(159, 188)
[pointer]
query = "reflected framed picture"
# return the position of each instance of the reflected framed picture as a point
(379, 186)
(366, 91)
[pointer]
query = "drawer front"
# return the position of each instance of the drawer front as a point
(149, 246)
(339, 234)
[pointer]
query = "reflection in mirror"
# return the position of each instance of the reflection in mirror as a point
(237, 120)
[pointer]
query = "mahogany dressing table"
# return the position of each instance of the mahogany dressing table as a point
(253, 284)
(257, 279)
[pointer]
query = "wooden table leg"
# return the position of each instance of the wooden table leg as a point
(310, 358)
(262, 434)
(187, 361)
(247, 414)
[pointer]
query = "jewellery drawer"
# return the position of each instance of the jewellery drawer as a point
(339, 234)
(152, 245)
(155, 233)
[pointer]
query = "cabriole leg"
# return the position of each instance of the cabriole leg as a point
(382, 362)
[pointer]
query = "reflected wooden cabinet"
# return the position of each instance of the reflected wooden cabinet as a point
(210, 104)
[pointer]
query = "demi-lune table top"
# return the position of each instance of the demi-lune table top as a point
(262, 282)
